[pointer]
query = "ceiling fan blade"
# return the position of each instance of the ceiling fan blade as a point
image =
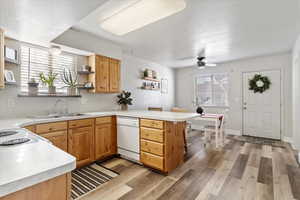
(210, 64)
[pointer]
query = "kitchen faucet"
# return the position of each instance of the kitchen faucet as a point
(60, 107)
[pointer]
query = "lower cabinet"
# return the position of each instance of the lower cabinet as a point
(58, 188)
(81, 144)
(105, 137)
(86, 139)
(58, 139)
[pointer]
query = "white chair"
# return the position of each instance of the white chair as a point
(219, 132)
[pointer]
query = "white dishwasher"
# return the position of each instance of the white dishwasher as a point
(128, 138)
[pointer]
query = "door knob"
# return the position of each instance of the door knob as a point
(245, 108)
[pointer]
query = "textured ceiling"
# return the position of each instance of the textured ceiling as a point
(228, 29)
(40, 21)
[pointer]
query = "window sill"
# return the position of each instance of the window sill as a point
(24, 94)
(214, 106)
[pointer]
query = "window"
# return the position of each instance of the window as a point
(35, 60)
(211, 90)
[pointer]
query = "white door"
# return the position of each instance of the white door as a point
(261, 111)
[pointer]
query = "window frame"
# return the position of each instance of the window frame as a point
(60, 89)
(196, 100)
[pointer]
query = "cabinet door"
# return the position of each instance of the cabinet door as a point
(58, 139)
(102, 74)
(1, 58)
(114, 75)
(81, 144)
(103, 141)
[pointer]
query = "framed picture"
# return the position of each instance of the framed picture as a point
(9, 76)
(11, 55)
(164, 86)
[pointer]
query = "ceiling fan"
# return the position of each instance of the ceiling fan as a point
(202, 63)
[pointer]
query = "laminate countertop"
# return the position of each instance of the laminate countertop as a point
(27, 164)
(158, 115)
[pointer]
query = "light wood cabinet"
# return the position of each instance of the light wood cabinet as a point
(81, 142)
(56, 188)
(58, 139)
(114, 75)
(162, 144)
(106, 78)
(105, 137)
(2, 84)
(50, 127)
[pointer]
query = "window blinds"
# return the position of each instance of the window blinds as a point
(212, 89)
(37, 60)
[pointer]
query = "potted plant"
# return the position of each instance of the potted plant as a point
(70, 79)
(49, 80)
(124, 100)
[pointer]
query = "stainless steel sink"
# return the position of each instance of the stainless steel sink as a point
(53, 116)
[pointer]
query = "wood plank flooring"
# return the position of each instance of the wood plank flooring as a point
(240, 171)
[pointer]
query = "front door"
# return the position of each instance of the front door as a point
(261, 111)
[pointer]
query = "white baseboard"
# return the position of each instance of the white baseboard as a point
(289, 140)
(227, 131)
(232, 132)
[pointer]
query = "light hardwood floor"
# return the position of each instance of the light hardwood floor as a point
(239, 171)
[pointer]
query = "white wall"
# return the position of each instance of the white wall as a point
(185, 87)
(11, 105)
(296, 94)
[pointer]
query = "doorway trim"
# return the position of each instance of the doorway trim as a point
(281, 96)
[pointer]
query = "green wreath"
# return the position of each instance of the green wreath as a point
(259, 83)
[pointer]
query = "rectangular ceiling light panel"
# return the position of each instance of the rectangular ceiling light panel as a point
(140, 14)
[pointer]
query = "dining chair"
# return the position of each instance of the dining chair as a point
(155, 108)
(219, 133)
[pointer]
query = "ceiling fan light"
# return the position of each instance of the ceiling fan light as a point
(55, 50)
(140, 14)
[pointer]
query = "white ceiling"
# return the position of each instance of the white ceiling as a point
(228, 29)
(40, 21)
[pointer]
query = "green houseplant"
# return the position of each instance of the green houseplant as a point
(70, 79)
(124, 100)
(49, 81)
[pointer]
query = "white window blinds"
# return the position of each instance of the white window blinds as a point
(212, 89)
(37, 60)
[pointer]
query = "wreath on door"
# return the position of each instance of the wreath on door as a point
(259, 83)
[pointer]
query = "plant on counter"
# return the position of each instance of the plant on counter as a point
(70, 79)
(49, 81)
(124, 99)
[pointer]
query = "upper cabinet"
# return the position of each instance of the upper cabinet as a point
(106, 78)
(1, 58)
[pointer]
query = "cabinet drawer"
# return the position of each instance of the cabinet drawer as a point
(57, 126)
(152, 123)
(152, 147)
(152, 160)
(81, 123)
(152, 134)
(103, 120)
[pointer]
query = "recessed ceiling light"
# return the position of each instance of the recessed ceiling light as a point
(140, 14)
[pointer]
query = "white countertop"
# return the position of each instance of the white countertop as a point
(166, 116)
(30, 163)
(25, 165)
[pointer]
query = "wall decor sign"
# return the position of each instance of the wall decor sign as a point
(164, 86)
(259, 83)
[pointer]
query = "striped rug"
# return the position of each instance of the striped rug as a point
(89, 178)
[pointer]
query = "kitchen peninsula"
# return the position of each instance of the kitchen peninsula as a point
(161, 143)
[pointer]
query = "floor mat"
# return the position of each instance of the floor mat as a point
(89, 178)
